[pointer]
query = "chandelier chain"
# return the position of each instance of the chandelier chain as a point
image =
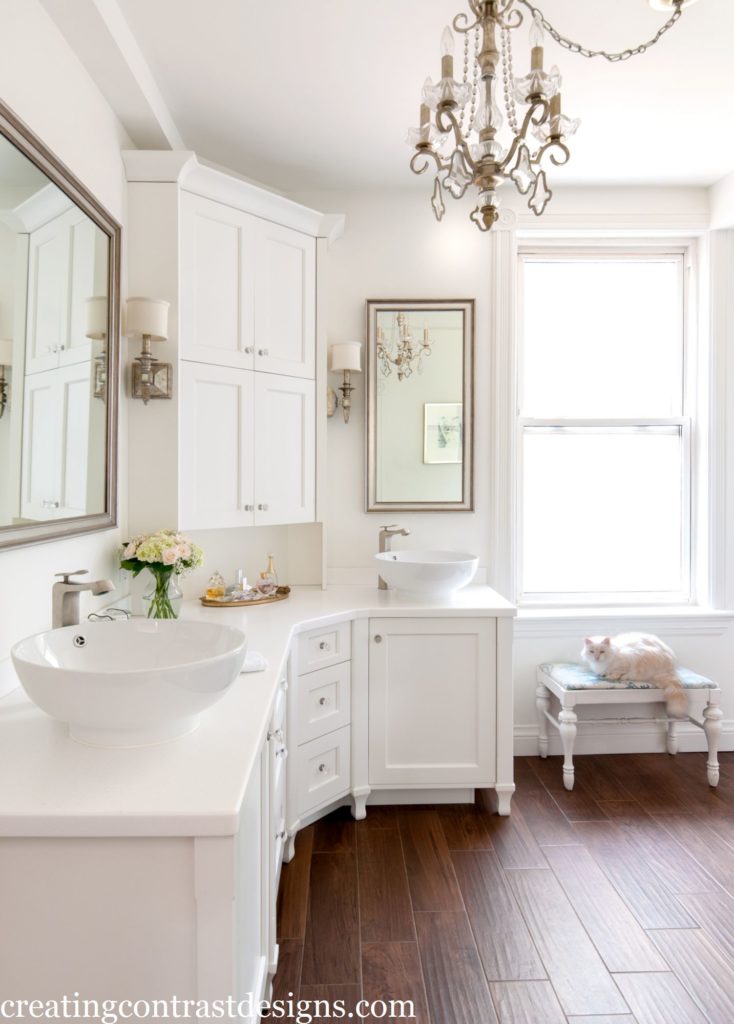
(507, 79)
(614, 58)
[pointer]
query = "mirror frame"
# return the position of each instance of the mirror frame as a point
(373, 307)
(21, 136)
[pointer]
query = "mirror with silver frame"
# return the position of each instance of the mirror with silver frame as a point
(59, 326)
(420, 415)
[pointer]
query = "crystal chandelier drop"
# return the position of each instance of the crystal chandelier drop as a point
(402, 353)
(461, 121)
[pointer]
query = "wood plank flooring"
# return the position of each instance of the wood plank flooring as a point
(613, 904)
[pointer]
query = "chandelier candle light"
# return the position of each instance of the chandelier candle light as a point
(403, 353)
(460, 120)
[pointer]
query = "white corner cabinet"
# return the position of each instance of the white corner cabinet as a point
(238, 265)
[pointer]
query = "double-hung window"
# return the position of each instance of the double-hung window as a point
(604, 428)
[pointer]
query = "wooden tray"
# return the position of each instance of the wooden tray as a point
(280, 595)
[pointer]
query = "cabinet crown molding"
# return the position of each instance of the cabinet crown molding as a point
(183, 167)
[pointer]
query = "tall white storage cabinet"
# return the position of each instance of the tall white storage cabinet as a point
(238, 265)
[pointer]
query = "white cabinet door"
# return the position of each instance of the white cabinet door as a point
(55, 464)
(432, 703)
(217, 282)
(251, 886)
(216, 456)
(285, 450)
(61, 277)
(285, 301)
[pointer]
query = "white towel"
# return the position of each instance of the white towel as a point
(254, 662)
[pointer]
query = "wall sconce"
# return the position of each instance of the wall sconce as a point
(147, 319)
(6, 359)
(96, 330)
(344, 358)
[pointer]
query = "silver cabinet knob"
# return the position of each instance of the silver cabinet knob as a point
(262, 352)
(323, 646)
(249, 350)
(281, 752)
(323, 701)
(281, 835)
(322, 768)
(248, 508)
(378, 639)
(263, 508)
(277, 734)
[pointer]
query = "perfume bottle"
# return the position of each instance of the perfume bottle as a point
(215, 587)
(267, 584)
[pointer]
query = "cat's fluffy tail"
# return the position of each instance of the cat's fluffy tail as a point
(676, 698)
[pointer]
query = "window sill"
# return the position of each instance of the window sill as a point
(664, 621)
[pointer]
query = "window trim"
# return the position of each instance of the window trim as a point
(599, 250)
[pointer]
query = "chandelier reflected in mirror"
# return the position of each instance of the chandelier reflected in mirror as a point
(460, 130)
(401, 351)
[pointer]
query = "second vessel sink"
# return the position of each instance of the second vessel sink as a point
(126, 684)
(427, 573)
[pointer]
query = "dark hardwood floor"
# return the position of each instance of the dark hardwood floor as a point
(613, 904)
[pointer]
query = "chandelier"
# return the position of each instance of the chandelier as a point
(460, 121)
(402, 352)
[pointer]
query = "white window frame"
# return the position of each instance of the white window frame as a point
(685, 423)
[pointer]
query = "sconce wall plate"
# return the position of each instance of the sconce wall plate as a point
(157, 383)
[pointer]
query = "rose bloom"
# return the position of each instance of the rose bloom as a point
(170, 555)
(130, 550)
(184, 551)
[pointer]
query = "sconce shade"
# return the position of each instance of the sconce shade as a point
(147, 317)
(96, 317)
(346, 356)
(6, 353)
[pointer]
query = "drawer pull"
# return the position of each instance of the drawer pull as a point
(277, 734)
(263, 508)
(249, 350)
(378, 639)
(323, 646)
(262, 351)
(323, 768)
(323, 701)
(281, 753)
(248, 508)
(281, 835)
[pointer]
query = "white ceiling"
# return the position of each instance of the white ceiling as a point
(317, 94)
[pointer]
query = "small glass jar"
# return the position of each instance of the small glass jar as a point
(215, 587)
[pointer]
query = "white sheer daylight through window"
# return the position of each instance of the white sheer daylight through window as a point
(604, 439)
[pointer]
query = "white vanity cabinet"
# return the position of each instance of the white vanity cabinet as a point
(432, 698)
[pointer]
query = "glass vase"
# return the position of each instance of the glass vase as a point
(163, 595)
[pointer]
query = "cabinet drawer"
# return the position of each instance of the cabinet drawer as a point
(322, 701)
(322, 647)
(323, 770)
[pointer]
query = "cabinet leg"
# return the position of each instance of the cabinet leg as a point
(567, 720)
(712, 715)
(504, 796)
(290, 848)
(542, 706)
(359, 808)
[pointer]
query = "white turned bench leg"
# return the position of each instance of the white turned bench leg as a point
(542, 706)
(673, 736)
(567, 720)
(712, 715)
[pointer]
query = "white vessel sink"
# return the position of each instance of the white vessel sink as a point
(127, 684)
(427, 573)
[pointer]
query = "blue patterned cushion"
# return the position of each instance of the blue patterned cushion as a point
(573, 676)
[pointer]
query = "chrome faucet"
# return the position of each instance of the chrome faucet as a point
(65, 597)
(386, 535)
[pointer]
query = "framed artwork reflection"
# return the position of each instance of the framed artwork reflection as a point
(443, 432)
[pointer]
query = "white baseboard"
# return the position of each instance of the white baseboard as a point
(633, 738)
(388, 797)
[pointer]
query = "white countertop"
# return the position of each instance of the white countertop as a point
(52, 786)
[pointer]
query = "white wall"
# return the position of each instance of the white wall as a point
(44, 83)
(392, 248)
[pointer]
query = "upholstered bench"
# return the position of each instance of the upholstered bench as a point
(573, 684)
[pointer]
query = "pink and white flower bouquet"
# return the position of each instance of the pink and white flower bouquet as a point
(166, 554)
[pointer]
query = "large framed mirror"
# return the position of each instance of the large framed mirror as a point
(59, 328)
(420, 405)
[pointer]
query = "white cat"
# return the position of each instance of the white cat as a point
(637, 657)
